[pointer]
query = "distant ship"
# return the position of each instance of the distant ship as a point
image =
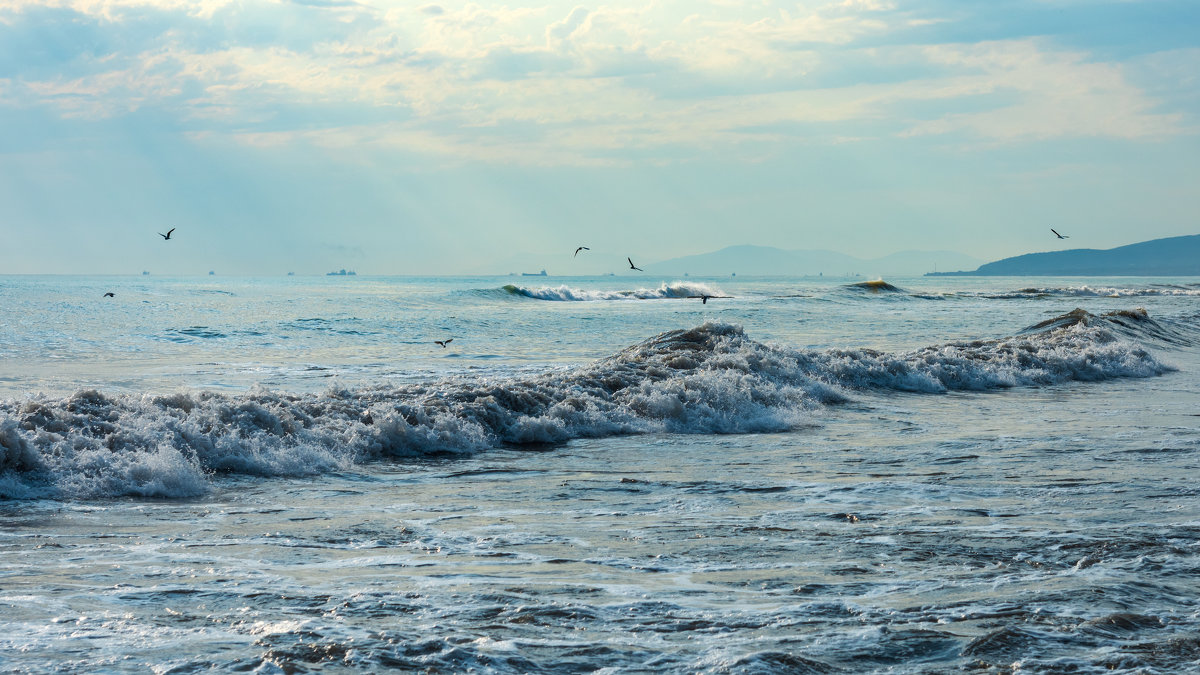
(341, 273)
(534, 274)
(211, 272)
(145, 273)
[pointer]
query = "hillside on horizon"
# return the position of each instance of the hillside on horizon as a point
(1170, 256)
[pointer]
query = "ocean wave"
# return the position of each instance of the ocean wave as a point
(1133, 324)
(881, 287)
(673, 290)
(875, 286)
(1102, 291)
(711, 379)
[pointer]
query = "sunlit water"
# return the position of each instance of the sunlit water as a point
(287, 475)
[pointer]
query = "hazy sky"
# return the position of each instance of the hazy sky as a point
(400, 138)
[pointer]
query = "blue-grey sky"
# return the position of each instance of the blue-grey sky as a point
(406, 138)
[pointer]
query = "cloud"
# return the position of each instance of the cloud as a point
(559, 84)
(1058, 95)
(327, 3)
(559, 31)
(115, 10)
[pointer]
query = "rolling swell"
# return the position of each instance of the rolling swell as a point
(875, 286)
(564, 293)
(1132, 324)
(881, 287)
(1103, 291)
(704, 380)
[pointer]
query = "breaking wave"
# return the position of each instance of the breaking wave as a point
(676, 289)
(1132, 324)
(711, 379)
(1103, 291)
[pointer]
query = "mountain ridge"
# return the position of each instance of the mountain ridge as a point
(1169, 256)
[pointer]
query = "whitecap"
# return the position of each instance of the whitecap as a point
(710, 379)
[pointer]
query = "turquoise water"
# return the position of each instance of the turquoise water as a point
(599, 474)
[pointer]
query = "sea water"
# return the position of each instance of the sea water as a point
(599, 474)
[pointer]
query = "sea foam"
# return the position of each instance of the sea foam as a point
(1110, 291)
(564, 293)
(710, 379)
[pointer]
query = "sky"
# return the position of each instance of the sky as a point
(397, 137)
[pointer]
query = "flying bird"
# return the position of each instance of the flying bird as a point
(167, 235)
(443, 343)
(634, 267)
(110, 294)
(1059, 235)
(581, 248)
(704, 298)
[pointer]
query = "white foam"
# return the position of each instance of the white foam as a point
(705, 380)
(1086, 291)
(675, 289)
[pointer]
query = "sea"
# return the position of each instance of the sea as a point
(619, 474)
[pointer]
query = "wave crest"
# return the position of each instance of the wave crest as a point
(710, 379)
(564, 293)
(875, 286)
(1133, 324)
(1105, 291)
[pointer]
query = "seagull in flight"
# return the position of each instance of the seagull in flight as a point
(443, 343)
(581, 248)
(110, 294)
(1059, 235)
(634, 267)
(166, 236)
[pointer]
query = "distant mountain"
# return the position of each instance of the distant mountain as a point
(770, 261)
(1173, 256)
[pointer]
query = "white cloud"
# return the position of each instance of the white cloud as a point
(559, 31)
(569, 84)
(112, 10)
(1058, 94)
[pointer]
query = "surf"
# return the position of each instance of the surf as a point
(564, 293)
(708, 379)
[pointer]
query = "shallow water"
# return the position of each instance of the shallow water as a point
(1031, 509)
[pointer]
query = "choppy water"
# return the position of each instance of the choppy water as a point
(287, 475)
